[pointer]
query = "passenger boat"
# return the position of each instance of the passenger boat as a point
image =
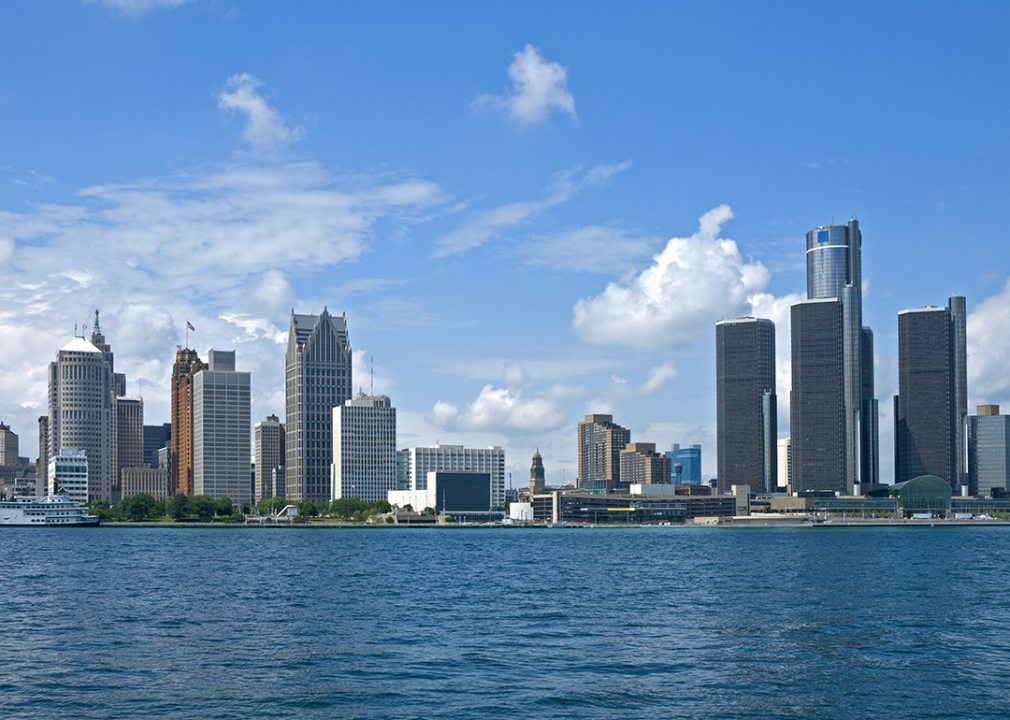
(50, 511)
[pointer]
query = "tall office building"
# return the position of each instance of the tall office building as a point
(364, 448)
(318, 378)
(269, 439)
(988, 446)
(958, 319)
(155, 438)
(456, 458)
(600, 443)
(8, 446)
(537, 474)
(81, 412)
(129, 437)
(929, 427)
(746, 416)
(832, 348)
(685, 464)
(221, 415)
(187, 365)
(98, 340)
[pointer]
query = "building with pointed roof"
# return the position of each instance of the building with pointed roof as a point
(318, 378)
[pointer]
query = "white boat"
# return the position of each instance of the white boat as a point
(49, 511)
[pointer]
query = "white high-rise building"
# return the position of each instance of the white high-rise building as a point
(364, 449)
(68, 471)
(221, 425)
(491, 460)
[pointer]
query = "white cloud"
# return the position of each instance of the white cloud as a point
(265, 129)
(989, 350)
(691, 284)
(538, 88)
(136, 7)
(659, 376)
(487, 224)
(593, 248)
(502, 409)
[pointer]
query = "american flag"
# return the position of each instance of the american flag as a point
(189, 326)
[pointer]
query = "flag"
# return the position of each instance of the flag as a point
(189, 326)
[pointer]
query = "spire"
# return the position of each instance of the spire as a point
(98, 328)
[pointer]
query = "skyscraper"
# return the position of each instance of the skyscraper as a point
(642, 465)
(988, 451)
(685, 464)
(834, 274)
(221, 413)
(269, 439)
(81, 412)
(187, 364)
(929, 425)
(600, 445)
(364, 448)
(746, 424)
(318, 378)
(129, 439)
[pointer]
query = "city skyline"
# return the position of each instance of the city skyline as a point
(489, 195)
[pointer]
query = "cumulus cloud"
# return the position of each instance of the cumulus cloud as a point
(487, 224)
(593, 248)
(989, 350)
(500, 408)
(538, 88)
(659, 376)
(265, 129)
(691, 284)
(136, 7)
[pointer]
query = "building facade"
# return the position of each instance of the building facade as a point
(8, 446)
(928, 424)
(641, 464)
(221, 420)
(436, 458)
(129, 434)
(155, 438)
(42, 464)
(69, 472)
(834, 274)
(538, 478)
(685, 464)
(746, 410)
(364, 448)
(146, 481)
(988, 443)
(269, 449)
(187, 365)
(600, 443)
(318, 378)
(81, 413)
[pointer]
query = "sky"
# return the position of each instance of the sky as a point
(528, 211)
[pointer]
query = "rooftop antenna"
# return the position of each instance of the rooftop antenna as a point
(98, 328)
(371, 376)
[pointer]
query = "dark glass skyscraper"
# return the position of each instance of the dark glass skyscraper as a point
(929, 424)
(318, 379)
(834, 272)
(745, 403)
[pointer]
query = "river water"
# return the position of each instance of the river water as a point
(510, 623)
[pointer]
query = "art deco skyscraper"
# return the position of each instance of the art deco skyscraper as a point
(929, 425)
(318, 378)
(818, 432)
(187, 364)
(746, 414)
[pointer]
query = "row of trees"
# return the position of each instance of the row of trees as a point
(135, 508)
(344, 508)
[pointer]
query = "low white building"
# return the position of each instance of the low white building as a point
(448, 491)
(456, 458)
(69, 471)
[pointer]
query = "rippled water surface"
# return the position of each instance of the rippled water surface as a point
(587, 623)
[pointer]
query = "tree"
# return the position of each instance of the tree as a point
(137, 507)
(203, 507)
(307, 508)
(382, 506)
(177, 507)
(346, 507)
(408, 507)
(224, 506)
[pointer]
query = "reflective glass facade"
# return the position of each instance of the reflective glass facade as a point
(988, 440)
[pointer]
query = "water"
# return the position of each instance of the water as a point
(602, 623)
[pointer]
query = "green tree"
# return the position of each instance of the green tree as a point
(382, 506)
(224, 506)
(137, 507)
(177, 507)
(103, 509)
(346, 507)
(203, 507)
(408, 507)
(307, 508)
(430, 511)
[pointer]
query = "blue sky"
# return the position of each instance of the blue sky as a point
(490, 194)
